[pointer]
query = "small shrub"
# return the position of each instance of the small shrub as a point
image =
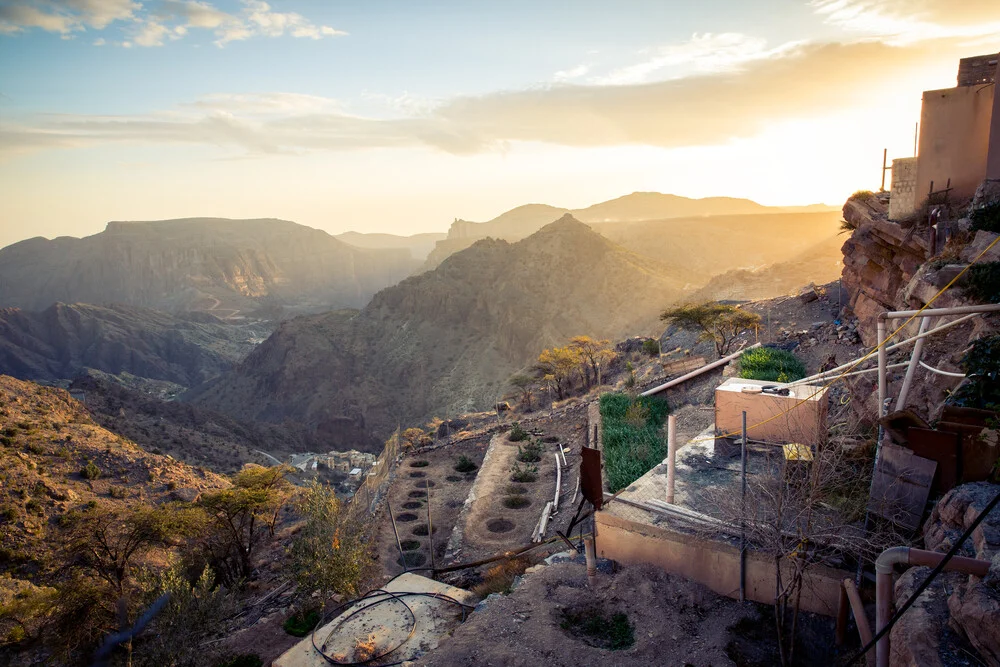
(244, 660)
(986, 218)
(8, 513)
(651, 347)
(982, 282)
(6, 441)
(614, 633)
(517, 434)
(116, 491)
(524, 475)
(90, 471)
(771, 365)
(982, 367)
(171, 485)
(530, 453)
(301, 623)
(35, 448)
(465, 464)
(34, 507)
(500, 577)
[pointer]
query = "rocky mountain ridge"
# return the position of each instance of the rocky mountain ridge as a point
(444, 341)
(227, 267)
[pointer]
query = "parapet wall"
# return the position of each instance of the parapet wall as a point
(713, 563)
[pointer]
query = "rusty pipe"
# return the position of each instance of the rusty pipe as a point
(858, 609)
(591, 554)
(884, 565)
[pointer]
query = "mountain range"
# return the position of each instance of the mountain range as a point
(446, 340)
(226, 267)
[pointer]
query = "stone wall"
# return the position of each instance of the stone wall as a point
(903, 199)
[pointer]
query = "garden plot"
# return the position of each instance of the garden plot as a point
(513, 487)
(440, 478)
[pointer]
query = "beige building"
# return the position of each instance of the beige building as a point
(959, 139)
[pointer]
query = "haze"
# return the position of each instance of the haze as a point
(398, 117)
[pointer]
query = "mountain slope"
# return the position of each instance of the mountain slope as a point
(419, 245)
(214, 264)
(61, 341)
(444, 341)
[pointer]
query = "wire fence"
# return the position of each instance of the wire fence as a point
(376, 481)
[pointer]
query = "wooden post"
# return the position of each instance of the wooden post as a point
(671, 456)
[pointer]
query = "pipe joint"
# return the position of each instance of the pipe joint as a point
(890, 558)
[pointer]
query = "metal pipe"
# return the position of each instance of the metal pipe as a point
(402, 556)
(933, 312)
(941, 372)
(555, 500)
(884, 565)
(671, 456)
(880, 330)
(911, 369)
(858, 609)
(832, 374)
(430, 526)
(697, 372)
(743, 512)
(591, 553)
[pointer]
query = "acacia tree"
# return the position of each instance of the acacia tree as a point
(717, 322)
(333, 551)
(593, 354)
(556, 367)
(241, 516)
(524, 383)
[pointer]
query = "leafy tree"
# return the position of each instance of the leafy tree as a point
(524, 383)
(556, 367)
(593, 354)
(717, 322)
(333, 551)
(241, 517)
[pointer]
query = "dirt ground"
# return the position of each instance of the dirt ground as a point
(675, 622)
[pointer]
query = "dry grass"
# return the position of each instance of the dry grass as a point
(366, 649)
(500, 577)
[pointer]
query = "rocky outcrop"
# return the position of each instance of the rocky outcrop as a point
(956, 607)
(209, 264)
(64, 340)
(444, 342)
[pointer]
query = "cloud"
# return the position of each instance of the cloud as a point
(699, 110)
(570, 74)
(703, 53)
(911, 20)
(157, 21)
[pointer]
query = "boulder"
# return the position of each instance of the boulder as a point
(187, 495)
(980, 242)
(975, 613)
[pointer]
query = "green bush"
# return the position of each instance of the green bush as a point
(90, 471)
(613, 632)
(517, 434)
(528, 473)
(631, 448)
(651, 347)
(982, 282)
(986, 218)
(465, 464)
(982, 367)
(530, 453)
(771, 365)
(301, 623)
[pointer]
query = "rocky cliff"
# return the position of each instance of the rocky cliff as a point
(219, 265)
(63, 340)
(444, 341)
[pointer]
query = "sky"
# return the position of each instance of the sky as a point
(400, 115)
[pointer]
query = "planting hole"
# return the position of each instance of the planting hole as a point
(551, 438)
(412, 559)
(421, 530)
(453, 478)
(420, 464)
(406, 517)
(425, 485)
(412, 505)
(418, 474)
(410, 545)
(499, 525)
(418, 494)
(516, 502)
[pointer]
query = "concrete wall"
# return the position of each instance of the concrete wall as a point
(903, 192)
(954, 139)
(993, 164)
(712, 563)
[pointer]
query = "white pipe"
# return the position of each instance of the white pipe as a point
(671, 456)
(697, 372)
(555, 501)
(933, 312)
(941, 372)
(911, 369)
(828, 374)
(880, 330)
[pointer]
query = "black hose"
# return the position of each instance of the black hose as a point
(927, 582)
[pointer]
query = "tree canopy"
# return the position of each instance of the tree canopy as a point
(717, 322)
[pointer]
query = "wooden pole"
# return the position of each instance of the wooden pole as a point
(671, 456)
